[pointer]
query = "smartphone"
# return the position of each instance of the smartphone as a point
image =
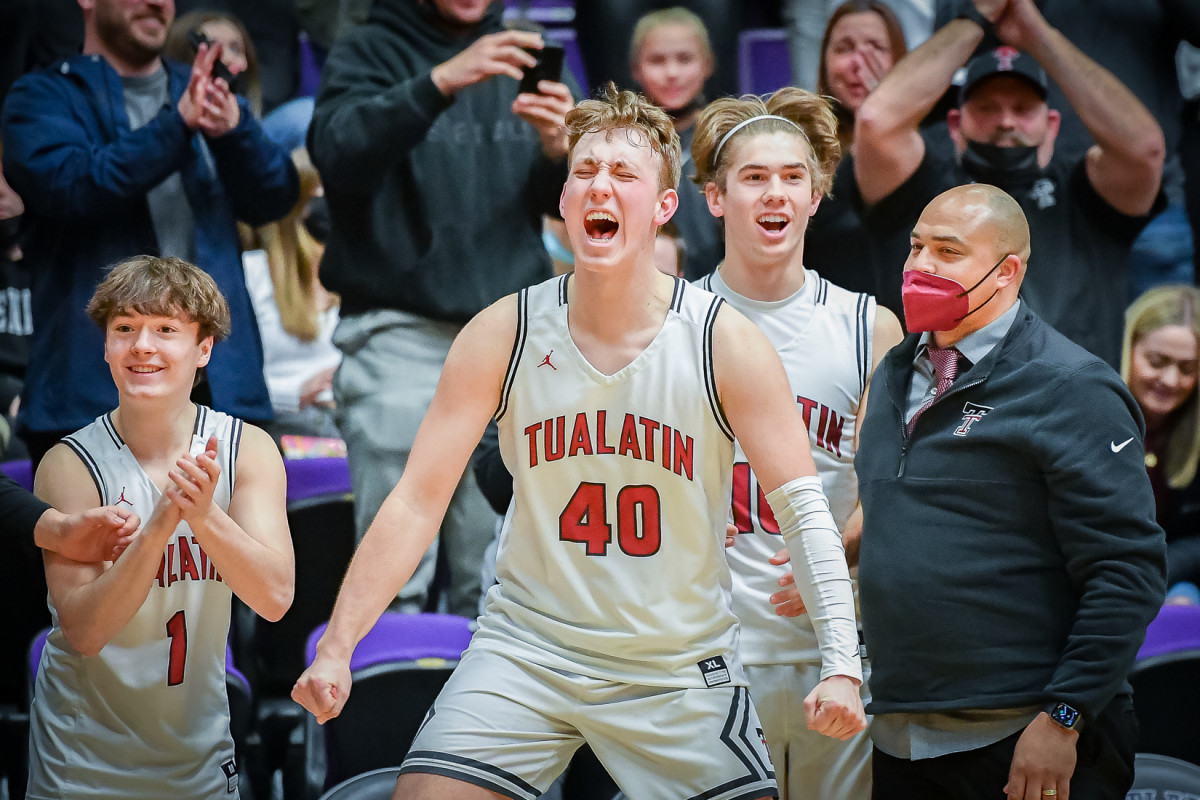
(548, 68)
(219, 70)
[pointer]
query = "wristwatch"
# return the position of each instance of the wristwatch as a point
(1065, 715)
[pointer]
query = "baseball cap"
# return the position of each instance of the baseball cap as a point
(1003, 60)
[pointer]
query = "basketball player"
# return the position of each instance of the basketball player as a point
(130, 696)
(764, 167)
(618, 391)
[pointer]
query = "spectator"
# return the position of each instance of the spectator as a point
(1137, 41)
(16, 323)
(605, 26)
(806, 18)
(765, 167)
(1159, 362)
(130, 694)
(1084, 214)
(1010, 561)
(118, 152)
(275, 30)
(237, 50)
(862, 43)
(437, 174)
(296, 314)
(670, 58)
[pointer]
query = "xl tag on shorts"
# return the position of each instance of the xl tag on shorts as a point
(231, 780)
(714, 671)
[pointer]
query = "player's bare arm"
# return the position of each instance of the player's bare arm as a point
(95, 601)
(250, 545)
(468, 394)
(758, 402)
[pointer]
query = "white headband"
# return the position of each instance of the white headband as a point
(744, 123)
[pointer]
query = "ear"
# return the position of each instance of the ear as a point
(816, 202)
(668, 203)
(1009, 272)
(206, 345)
(954, 124)
(712, 195)
(562, 201)
(1046, 148)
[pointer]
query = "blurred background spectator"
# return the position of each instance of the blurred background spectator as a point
(670, 59)
(296, 314)
(1159, 361)
(16, 319)
(805, 19)
(861, 44)
(237, 49)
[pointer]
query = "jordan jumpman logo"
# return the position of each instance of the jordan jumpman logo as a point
(546, 362)
(122, 499)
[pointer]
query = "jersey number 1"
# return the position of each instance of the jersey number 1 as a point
(639, 519)
(177, 633)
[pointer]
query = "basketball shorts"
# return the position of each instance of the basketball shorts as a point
(808, 765)
(511, 727)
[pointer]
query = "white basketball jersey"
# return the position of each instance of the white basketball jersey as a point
(148, 716)
(823, 334)
(611, 561)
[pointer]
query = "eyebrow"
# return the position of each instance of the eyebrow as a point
(785, 167)
(618, 164)
(944, 238)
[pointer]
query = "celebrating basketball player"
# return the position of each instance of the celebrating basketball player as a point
(618, 392)
(130, 696)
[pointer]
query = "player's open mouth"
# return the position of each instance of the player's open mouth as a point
(600, 225)
(773, 223)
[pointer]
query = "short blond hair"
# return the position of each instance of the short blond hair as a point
(805, 115)
(161, 286)
(614, 110)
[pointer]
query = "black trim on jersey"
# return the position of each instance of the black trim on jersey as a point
(111, 429)
(562, 289)
(92, 468)
(510, 374)
(201, 418)
(677, 295)
(822, 291)
(453, 769)
(235, 444)
(861, 343)
(706, 282)
(710, 373)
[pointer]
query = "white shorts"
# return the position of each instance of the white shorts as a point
(511, 727)
(808, 765)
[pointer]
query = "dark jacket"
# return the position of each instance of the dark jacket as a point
(1010, 555)
(69, 153)
(436, 202)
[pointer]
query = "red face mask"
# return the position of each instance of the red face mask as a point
(934, 303)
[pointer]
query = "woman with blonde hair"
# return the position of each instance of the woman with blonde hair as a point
(296, 314)
(765, 166)
(1160, 358)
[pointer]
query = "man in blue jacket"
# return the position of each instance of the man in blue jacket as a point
(1010, 557)
(118, 152)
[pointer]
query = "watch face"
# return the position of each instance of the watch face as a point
(1064, 715)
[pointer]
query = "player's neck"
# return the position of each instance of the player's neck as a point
(613, 316)
(154, 431)
(765, 279)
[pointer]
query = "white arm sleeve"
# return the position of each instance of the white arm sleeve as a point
(819, 564)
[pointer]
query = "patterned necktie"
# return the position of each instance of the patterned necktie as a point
(945, 367)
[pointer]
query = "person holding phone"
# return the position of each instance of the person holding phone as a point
(437, 173)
